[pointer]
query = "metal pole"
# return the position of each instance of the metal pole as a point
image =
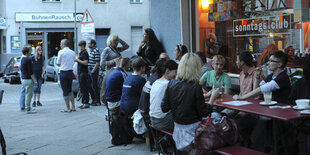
(75, 32)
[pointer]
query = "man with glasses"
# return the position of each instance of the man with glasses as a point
(278, 82)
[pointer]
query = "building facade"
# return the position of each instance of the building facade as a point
(46, 22)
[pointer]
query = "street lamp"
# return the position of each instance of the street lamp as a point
(75, 32)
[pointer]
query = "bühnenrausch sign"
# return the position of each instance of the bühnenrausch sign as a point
(44, 17)
(261, 26)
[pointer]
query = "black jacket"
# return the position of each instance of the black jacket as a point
(186, 102)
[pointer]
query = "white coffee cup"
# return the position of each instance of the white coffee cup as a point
(302, 103)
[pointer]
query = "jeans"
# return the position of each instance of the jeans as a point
(83, 78)
(28, 85)
(37, 88)
(22, 97)
(66, 78)
(93, 86)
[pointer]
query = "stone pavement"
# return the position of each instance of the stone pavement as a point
(50, 132)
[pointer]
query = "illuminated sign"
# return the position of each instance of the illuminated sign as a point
(262, 26)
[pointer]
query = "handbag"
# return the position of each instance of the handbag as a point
(209, 136)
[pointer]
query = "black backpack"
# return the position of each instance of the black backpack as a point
(121, 131)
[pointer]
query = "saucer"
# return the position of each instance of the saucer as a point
(297, 108)
(305, 112)
(272, 103)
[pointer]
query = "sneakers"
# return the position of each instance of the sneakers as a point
(34, 104)
(31, 111)
(39, 103)
(22, 109)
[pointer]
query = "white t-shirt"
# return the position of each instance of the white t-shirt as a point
(66, 59)
(156, 96)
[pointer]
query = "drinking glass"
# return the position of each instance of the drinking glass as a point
(221, 87)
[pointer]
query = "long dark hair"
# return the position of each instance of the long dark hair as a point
(159, 67)
(152, 37)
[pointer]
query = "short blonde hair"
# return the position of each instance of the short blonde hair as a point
(218, 58)
(111, 38)
(189, 68)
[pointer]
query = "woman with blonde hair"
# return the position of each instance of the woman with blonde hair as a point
(184, 97)
(112, 52)
(38, 69)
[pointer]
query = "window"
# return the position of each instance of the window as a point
(135, 1)
(100, 1)
(51, 0)
(136, 38)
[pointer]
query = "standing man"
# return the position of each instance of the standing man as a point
(93, 71)
(82, 60)
(65, 61)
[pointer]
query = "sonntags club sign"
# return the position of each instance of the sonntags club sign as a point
(262, 26)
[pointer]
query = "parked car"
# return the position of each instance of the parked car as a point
(11, 71)
(51, 70)
(75, 82)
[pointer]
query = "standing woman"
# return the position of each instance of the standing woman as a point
(27, 78)
(112, 52)
(184, 97)
(150, 48)
(38, 69)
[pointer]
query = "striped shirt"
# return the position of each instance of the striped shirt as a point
(94, 57)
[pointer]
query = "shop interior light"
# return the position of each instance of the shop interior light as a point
(205, 4)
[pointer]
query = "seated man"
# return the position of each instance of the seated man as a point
(278, 82)
(114, 84)
(132, 87)
(217, 76)
(160, 120)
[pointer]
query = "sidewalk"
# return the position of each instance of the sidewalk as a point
(54, 133)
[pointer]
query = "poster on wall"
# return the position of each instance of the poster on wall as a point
(15, 42)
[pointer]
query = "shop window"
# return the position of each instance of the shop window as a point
(135, 1)
(100, 1)
(51, 0)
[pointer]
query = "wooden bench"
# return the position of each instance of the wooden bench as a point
(157, 139)
(237, 150)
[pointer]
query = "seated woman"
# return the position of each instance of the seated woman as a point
(278, 82)
(217, 75)
(160, 120)
(184, 97)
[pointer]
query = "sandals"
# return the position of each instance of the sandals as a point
(65, 110)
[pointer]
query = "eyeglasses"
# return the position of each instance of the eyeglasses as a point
(275, 61)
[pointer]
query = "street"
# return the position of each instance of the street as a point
(51, 132)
